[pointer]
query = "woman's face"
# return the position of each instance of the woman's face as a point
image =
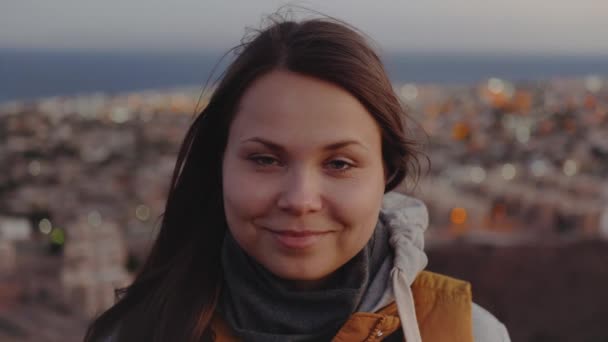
(303, 176)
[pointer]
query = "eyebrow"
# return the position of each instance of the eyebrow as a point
(331, 147)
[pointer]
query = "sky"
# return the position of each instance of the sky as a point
(557, 27)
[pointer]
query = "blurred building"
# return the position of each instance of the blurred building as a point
(94, 265)
(12, 231)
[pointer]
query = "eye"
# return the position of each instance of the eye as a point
(264, 160)
(339, 165)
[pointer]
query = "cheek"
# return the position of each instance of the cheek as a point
(358, 207)
(244, 196)
(235, 192)
(239, 206)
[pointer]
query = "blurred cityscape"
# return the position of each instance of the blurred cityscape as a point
(84, 181)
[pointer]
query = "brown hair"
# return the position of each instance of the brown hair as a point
(174, 295)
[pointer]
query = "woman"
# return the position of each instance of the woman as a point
(279, 225)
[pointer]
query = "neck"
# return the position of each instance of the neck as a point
(260, 306)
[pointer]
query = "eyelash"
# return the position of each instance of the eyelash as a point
(259, 160)
(348, 165)
(268, 161)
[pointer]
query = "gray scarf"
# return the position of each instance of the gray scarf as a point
(258, 306)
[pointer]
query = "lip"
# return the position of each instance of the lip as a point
(297, 239)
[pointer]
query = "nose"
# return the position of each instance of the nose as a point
(301, 192)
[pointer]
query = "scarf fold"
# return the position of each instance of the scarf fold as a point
(259, 306)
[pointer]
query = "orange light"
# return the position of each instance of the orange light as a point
(460, 131)
(458, 215)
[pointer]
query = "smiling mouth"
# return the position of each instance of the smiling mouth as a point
(292, 239)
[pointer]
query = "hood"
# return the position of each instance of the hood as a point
(406, 219)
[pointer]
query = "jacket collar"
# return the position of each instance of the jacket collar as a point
(443, 308)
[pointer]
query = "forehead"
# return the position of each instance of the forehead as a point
(290, 107)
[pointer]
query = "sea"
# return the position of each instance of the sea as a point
(31, 74)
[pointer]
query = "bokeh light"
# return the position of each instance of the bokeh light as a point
(142, 212)
(409, 92)
(496, 85)
(570, 167)
(593, 83)
(458, 215)
(508, 171)
(57, 236)
(478, 174)
(45, 226)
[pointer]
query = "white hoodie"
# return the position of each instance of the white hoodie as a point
(407, 220)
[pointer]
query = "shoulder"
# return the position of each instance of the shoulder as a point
(449, 298)
(442, 283)
(486, 328)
